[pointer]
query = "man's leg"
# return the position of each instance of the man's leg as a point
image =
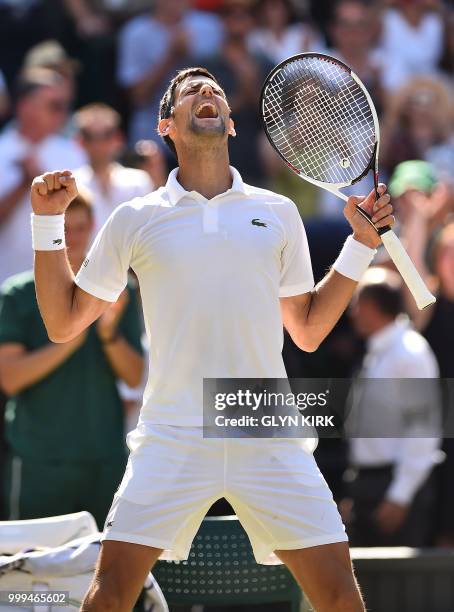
(119, 576)
(325, 574)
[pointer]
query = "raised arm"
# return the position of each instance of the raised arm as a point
(309, 317)
(65, 308)
(424, 214)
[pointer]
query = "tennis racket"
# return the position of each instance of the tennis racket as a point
(319, 117)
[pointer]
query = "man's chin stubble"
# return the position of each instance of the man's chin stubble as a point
(217, 130)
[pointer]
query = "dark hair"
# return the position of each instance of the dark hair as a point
(168, 99)
(386, 296)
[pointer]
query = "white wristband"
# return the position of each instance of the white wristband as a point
(354, 259)
(48, 232)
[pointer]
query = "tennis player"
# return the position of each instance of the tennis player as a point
(221, 266)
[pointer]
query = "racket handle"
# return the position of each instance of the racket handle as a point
(406, 267)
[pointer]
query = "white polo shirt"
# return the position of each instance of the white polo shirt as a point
(211, 273)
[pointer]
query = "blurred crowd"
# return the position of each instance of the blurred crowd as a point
(80, 85)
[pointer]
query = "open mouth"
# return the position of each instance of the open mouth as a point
(206, 110)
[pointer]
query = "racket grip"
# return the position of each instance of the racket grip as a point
(406, 267)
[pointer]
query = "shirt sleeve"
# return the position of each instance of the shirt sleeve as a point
(417, 458)
(104, 273)
(421, 409)
(296, 270)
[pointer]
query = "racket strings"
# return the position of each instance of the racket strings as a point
(322, 107)
(320, 120)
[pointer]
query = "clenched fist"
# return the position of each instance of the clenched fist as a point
(52, 192)
(380, 211)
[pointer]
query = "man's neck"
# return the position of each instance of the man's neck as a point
(413, 15)
(207, 173)
(102, 169)
(380, 327)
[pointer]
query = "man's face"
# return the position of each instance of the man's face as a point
(352, 27)
(101, 140)
(238, 20)
(78, 228)
(363, 314)
(46, 109)
(201, 114)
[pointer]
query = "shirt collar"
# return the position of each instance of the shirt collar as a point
(177, 192)
(388, 334)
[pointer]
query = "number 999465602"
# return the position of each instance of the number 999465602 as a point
(34, 598)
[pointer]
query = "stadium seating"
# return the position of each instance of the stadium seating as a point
(221, 570)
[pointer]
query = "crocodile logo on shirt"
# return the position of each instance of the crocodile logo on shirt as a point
(258, 222)
(58, 241)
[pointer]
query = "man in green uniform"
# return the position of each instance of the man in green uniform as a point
(64, 416)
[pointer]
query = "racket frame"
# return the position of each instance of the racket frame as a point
(391, 242)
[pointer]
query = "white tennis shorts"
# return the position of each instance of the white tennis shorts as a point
(174, 475)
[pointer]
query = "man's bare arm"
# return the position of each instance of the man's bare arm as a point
(20, 368)
(310, 317)
(65, 308)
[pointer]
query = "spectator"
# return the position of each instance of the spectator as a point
(29, 147)
(278, 34)
(411, 41)
(89, 33)
(391, 493)
(110, 183)
(426, 214)
(152, 48)
(147, 156)
(416, 192)
(441, 157)
(242, 74)
(418, 117)
(23, 23)
(50, 54)
(64, 417)
(94, 16)
(353, 32)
